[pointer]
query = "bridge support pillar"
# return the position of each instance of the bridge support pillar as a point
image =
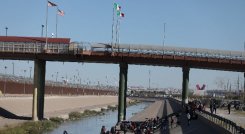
(39, 84)
(185, 85)
(122, 91)
(244, 88)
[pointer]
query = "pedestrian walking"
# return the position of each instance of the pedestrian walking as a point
(214, 108)
(188, 118)
(103, 130)
(211, 107)
(229, 108)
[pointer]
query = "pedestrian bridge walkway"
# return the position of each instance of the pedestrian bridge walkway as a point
(173, 120)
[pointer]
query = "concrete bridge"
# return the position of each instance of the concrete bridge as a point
(61, 49)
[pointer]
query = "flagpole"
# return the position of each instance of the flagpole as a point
(56, 22)
(112, 34)
(117, 33)
(46, 44)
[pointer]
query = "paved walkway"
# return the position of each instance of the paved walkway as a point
(199, 126)
(168, 106)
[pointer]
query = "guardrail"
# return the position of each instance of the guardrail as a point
(221, 121)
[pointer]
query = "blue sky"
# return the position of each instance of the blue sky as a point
(208, 24)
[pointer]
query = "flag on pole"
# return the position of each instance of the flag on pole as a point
(60, 12)
(51, 4)
(120, 14)
(117, 6)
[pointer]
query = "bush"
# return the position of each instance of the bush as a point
(38, 127)
(75, 115)
(57, 120)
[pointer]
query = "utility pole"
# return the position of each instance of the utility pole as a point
(24, 81)
(5, 80)
(30, 72)
(163, 40)
(42, 31)
(6, 28)
(149, 79)
(13, 68)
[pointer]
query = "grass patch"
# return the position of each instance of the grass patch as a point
(57, 120)
(38, 127)
(86, 113)
(75, 115)
(113, 108)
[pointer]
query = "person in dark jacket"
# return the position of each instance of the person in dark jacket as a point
(229, 108)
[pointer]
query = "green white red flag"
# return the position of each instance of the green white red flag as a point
(117, 7)
(120, 14)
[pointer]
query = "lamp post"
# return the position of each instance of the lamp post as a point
(149, 79)
(163, 39)
(6, 28)
(5, 80)
(56, 77)
(42, 31)
(13, 68)
(24, 81)
(30, 72)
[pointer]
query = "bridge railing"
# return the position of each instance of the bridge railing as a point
(81, 47)
(27, 47)
(221, 121)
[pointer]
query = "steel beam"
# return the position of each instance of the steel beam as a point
(122, 90)
(39, 83)
(185, 85)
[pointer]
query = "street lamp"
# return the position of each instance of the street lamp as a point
(6, 28)
(5, 81)
(30, 72)
(149, 79)
(13, 68)
(163, 40)
(42, 31)
(56, 77)
(24, 81)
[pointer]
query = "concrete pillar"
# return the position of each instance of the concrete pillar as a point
(185, 85)
(244, 87)
(125, 91)
(39, 83)
(34, 105)
(122, 87)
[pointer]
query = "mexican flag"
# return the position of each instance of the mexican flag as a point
(117, 7)
(120, 14)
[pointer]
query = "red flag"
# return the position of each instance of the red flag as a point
(122, 15)
(51, 4)
(60, 12)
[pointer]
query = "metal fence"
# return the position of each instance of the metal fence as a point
(221, 121)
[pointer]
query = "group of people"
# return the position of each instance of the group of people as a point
(146, 127)
(104, 131)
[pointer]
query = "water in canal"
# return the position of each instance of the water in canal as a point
(92, 125)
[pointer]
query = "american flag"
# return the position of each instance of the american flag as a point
(60, 12)
(51, 4)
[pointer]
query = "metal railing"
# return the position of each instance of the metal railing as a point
(26, 47)
(221, 121)
(81, 47)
